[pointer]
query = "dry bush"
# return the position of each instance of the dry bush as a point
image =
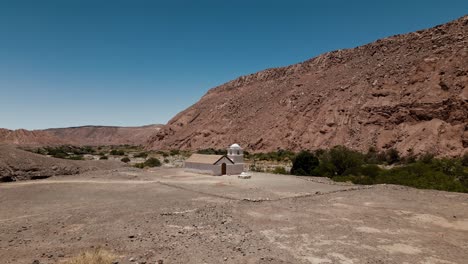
(97, 256)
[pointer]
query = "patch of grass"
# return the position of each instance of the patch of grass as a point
(97, 256)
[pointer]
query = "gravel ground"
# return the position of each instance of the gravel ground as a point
(178, 217)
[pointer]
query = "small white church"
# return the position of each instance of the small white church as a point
(230, 164)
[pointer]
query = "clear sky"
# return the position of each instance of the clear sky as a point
(135, 62)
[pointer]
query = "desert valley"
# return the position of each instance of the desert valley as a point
(354, 156)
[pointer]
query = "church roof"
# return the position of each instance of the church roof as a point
(235, 145)
(205, 159)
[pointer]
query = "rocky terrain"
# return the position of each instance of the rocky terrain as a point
(408, 92)
(171, 216)
(84, 135)
(17, 164)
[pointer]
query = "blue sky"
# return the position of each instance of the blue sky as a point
(136, 62)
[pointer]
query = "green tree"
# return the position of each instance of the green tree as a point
(392, 156)
(344, 159)
(304, 163)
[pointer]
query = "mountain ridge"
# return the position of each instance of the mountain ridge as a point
(397, 92)
(79, 135)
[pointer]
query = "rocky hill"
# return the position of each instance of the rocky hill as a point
(17, 164)
(85, 135)
(408, 92)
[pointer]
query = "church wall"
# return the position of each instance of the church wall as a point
(203, 168)
(234, 169)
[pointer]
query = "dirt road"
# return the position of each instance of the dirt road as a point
(179, 217)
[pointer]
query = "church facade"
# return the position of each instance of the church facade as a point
(230, 164)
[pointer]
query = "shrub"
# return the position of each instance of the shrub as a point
(426, 158)
(464, 160)
(163, 153)
(166, 161)
(103, 158)
(452, 167)
(116, 152)
(392, 156)
(141, 155)
(125, 159)
(152, 162)
(304, 164)
(419, 175)
(174, 152)
(371, 170)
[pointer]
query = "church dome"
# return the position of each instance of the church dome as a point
(235, 146)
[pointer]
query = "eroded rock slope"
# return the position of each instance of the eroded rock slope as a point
(408, 92)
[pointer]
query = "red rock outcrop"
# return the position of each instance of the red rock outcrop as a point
(408, 92)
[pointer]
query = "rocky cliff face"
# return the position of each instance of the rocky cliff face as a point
(408, 92)
(85, 135)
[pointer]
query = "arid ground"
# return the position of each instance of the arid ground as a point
(146, 216)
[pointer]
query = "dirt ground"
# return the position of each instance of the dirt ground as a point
(178, 217)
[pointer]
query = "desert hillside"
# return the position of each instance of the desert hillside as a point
(17, 164)
(408, 92)
(84, 135)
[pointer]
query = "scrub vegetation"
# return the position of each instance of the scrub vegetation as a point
(424, 172)
(151, 162)
(373, 167)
